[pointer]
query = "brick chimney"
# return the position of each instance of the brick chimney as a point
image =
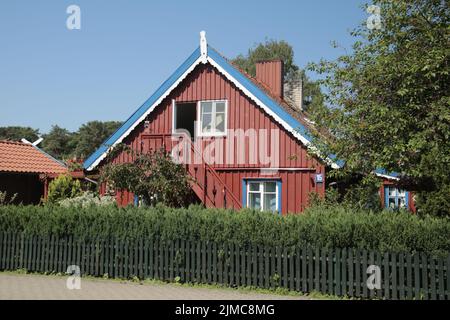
(293, 93)
(271, 74)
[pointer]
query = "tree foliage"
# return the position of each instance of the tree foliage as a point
(388, 102)
(154, 177)
(269, 50)
(15, 133)
(63, 144)
(91, 135)
(58, 142)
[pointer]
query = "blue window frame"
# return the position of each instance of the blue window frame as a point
(262, 194)
(395, 198)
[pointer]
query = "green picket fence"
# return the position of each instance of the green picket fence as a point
(341, 272)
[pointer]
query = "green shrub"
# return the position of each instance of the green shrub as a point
(63, 187)
(319, 226)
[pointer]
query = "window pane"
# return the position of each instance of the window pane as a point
(206, 107)
(254, 200)
(392, 192)
(401, 193)
(254, 186)
(220, 107)
(206, 123)
(270, 187)
(220, 122)
(270, 202)
(402, 202)
(392, 204)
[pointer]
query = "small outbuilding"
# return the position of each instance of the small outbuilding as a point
(25, 170)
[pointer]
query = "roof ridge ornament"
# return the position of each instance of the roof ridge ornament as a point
(203, 47)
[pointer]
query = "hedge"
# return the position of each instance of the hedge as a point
(336, 227)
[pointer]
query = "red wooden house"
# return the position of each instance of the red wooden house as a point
(241, 141)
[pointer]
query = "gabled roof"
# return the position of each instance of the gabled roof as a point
(206, 54)
(27, 158)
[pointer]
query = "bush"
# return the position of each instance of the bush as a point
(87, 199)
(435, 203)
(336, 227)
(154, 177)
(63, 187)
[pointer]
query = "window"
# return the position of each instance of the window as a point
(263, 195)
(213, 118)
(184, 116)
(395, 198)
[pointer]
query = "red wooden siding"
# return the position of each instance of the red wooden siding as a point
(206, 83)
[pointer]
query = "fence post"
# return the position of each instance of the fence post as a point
(447, 273)
(323, 271)
(298, 269)
(344, 272)
(364, 274)
(214, 262)
(266, 266)
(441, 290)
(432, 278)
(409, 286)
(401, 276)
(337, 272)
(273, 267)
(317, 270)
(350, 272)
(209, 262)
(309, 254)
(330, 254)
(285, 268)
(424, 276)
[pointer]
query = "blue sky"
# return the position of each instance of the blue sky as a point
(126, 49)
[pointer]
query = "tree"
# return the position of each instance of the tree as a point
(16, 133)
(388, 101)
(91, 135)
(272, 49)
(58, 142)
(268, 50)
(154, 177)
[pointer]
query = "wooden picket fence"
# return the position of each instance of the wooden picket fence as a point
(341, 272)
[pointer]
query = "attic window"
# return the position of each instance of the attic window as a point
(213, 118)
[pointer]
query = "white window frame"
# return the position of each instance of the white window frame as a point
(263, 192)
(200, 132)
(396, 197)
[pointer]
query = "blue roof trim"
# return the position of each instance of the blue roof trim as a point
(142, 109)
(390, 174)
(258, 93)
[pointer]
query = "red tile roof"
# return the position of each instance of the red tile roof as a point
(24, 157)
